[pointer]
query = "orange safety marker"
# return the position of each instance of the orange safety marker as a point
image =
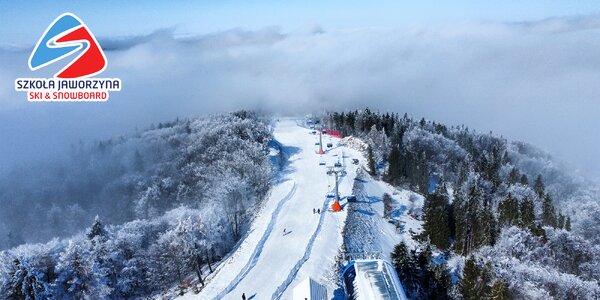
(336, 206)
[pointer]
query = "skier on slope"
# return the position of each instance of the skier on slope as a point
(243, 296)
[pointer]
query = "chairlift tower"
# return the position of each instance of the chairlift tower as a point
(321, 141)
(336, 171)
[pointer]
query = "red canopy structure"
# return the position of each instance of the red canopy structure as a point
(335, 133)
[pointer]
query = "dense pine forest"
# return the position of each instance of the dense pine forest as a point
(520, 225)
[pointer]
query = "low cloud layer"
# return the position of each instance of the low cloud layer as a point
(535, 81)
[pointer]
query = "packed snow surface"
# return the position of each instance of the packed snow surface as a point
(287, 242)
(269, 262)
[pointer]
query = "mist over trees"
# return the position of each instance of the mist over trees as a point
(142, 175)
(180, 195)
(146, 211)
(502, 207)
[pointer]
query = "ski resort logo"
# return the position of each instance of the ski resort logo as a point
(65, 36)
(68, 37)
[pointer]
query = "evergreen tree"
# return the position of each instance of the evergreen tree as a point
(537, 230)
(514, 176)
(97, 231)
(13, 289)
(26, 278)
(487, 232)
(499, 291)
(568, 224)
(561, 221)
(505, 158)
(422, 271)
(400, 257)
(508, 211)
(424, 259)
(472, 285)
(371, 161)
(527, 213)
(538, 186)
(459, 207)
(423, 174)
(441, 282)
(436, 216)
(411, 171)
(548, 212)
(463, 174)
(420, 278)
(101, 255)
(394, 175)
(524, 180)
(404, 264)
(468, 214)
(494, 165)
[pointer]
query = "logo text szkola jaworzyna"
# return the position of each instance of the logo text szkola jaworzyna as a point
(66, 36)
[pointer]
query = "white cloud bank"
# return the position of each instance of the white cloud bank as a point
(537, 81)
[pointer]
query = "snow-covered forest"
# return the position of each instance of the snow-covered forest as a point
(157, 210)
(514, 223)
(141, 211)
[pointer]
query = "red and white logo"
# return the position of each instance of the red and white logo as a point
(67, 36)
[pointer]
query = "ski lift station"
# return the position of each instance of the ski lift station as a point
(372, 279)
(309, 289)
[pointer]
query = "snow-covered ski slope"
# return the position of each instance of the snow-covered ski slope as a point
(268, 264)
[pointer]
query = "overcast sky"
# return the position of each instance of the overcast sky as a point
(527, 71)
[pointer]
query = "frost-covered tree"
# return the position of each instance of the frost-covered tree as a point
(499, 186)
(559, 266)
(138, 175)
(192, 237)
(25, 282)
(387, 205)
(77, 277)
(133, 279)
